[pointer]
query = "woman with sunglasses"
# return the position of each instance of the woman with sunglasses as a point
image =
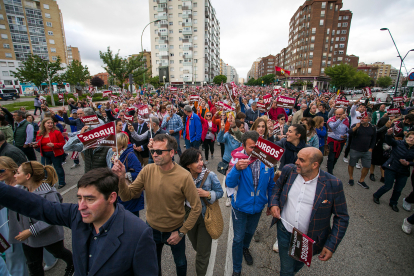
(192, 161)
(36, 235)
(126, 155)
(208, 135)
(283, 127)
(50, 141)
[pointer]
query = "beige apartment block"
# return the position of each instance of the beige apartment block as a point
(185, 42)
(73, 54)
(147, 58)
(32, 27)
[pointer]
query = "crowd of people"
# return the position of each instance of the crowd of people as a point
(181, 191)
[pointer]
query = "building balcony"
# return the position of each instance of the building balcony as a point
(187, 8)
(187, 40)
(164, 26)
(161, 1)
(187, 63)
(187, 24)
(162, 17)
(163, 9)
(185, 16)
(187, 48)
(188, 79)
(163, 41)
(186, 0)
(187, 32)
(164, 57)
(188, 56)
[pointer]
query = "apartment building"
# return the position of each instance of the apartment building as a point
(185, 41)
(147, 59)
(73, 54)
(267, 66)
(372, 71)
(254, 70)
(394, 76)
(104, 76)
(229, 71)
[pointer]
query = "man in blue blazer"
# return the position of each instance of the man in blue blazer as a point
(306, 197)
(106, 239)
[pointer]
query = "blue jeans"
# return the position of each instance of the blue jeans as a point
(50, 158)
(193, 144)
(288, 265)
(177, 137)
(178, 251)
(400, 181)
(244, 226)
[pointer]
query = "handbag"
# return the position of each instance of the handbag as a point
(222, 167)
(213, 218)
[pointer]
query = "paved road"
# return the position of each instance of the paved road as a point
(373, 245)
(19, 100)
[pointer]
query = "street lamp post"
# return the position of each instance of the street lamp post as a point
(142, 48)
(399, 55)
(50, 86)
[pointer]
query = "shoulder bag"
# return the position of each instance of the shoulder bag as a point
(213, 218)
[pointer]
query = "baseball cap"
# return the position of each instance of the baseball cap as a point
(74, 111)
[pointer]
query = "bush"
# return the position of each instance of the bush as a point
(95, 98)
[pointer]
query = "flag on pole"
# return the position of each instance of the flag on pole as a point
(281, 72)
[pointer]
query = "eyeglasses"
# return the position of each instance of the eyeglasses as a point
(208, 115)
(158, 152)
(2, 171)
(282, 119)
(30, 166)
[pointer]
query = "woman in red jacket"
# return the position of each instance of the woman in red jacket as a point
(208, 134)
(50, 142)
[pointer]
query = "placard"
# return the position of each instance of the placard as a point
(394, 111)
(267, 99)
(129, 118)
(261, 106)
(341, 103)
(194, 98)
(366, 92)
(4, 245)
(301, 247)
(90, 120)
(103, 136)
(231, 91)
(267, 152)
(285, 102)
(106, 93)
(143, 113)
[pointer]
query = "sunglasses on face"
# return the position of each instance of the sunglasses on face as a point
(158, 152)
(2, 171)
(208, 115)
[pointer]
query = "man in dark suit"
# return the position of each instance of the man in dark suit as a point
(141, 145)
(306, 197)
(106, 239)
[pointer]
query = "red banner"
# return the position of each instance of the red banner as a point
(285, 102)
(366, 92)
(129, 109)
(315, 91)
(341, 103)
(267, 152)
(394, 111)
(231, 91)
(129, 118)
(103, 136)
(89, 98)
(225, 106)
(194, 98)
(276, 92)
(301, 247)
(268, 100)
(106, 93)
(75, 94)
(143, 112)
(173, 88)
(90, 120)
(261, 106)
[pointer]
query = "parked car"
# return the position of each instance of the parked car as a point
(9, 94)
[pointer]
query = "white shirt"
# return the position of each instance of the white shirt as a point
(355, 114)
(210, 135)
(298, 207)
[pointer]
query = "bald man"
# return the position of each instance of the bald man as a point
(305, 197)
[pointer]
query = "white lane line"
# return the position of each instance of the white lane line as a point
(228, 269)
(70, 189)
(213, 254)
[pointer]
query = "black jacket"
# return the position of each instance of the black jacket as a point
(143, 143)
(400, 150)
(13, 152)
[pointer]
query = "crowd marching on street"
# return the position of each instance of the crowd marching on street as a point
(271, 143)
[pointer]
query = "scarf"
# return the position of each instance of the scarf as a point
(292, 150)
(200, 177)
(116, 156)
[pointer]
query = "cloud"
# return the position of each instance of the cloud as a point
(249, 29)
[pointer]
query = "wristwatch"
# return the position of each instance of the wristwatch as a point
(181, 235)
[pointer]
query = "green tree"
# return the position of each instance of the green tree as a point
(76, 73)
(251, 81)
(384, 81)
(120, 68)
(258, 81)
(360, 79)
(139, 78)
(342, 75)
(268, 79)
(220, 79)
(155, 81)
(35, 70)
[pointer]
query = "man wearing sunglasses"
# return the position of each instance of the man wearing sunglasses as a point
(167, 187)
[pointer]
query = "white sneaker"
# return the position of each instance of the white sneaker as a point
(406, 205)
(46, 267)
(206, 162)
(406, 227)
(75, 166)
(228, 202)
(358, 166)
(276, 246)
(346, 160)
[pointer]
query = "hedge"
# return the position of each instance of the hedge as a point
(95, 98)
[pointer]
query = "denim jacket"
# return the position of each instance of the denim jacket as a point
(213, 186)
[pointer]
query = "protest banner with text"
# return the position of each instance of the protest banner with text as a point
(90, 120)
(285, 102)
(267, 152)
(103, 136)
(301, 247)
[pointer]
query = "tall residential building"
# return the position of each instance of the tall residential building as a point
(267, 66)
(318, 38)
(73, 54)
(185, 42)
(147, 59)
(394, 76)
(254, 70)
(372, 71)
(229, 71)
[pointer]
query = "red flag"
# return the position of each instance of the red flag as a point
(106, 93)
(129, 118)
(281, 72)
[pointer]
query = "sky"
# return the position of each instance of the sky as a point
(249, 29)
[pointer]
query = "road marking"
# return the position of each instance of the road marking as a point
(228, 268)
(70, 189)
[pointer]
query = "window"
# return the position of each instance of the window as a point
(3, 64)
(336, 46)
(45, 6)
(336, 7)
(50, 33)
(313, 39)
(341, 52)
(170, 23)
(1, 17)
(195, 13)
(170, 7)
(345, 24)
(8, 55)
(339, 58)
(322, 70)
(171, 61)
(321, 22)
(170, 15)
(340, 18)
(6, 46)
(309, 70)
(346, 17)
(2, 26)
(323, 5)
(328, 31)
(312, 46)
(53, 50)
(54, 58)
(180, 31)
(336, 52)
(5, 73)
(314, 30)
(4, 36)
(154, 8)
(171, 69)
(11, 64)
(322, 13)
(170, 31)
(195, 29)
(156, 46)
(331, 6)
(171, 46)
(49, 24)
(310, 55)
(51, 41)
(47, 15)
(157, 54)
(337, 38)
(172, 54)
(339, 25)
(195, 5)
(343, 32)
(343, 38)
(341, 45)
